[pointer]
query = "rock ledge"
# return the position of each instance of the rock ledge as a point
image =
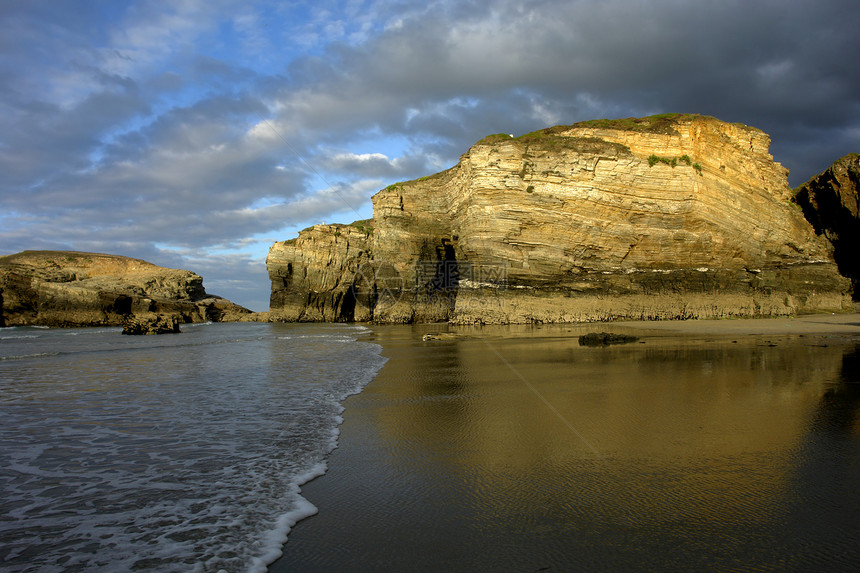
(67, 288)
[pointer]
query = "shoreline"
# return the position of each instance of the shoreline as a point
(844, 325)
(397, 481)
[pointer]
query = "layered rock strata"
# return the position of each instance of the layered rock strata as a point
(666, 217)
(64, 288)
(156, 324)
(831, 203)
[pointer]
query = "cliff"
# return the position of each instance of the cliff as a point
(830, 203)
(665, 217)
(65, 288)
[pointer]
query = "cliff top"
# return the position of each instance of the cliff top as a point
(95, 263)
(705, 143)
(845, 163)
(664, 123)
(78, 257)
(558, 138)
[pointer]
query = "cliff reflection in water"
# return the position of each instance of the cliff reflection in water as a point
(709, 453)
(824, 502)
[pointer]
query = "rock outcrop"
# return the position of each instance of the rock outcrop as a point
(831, 203)
(605, 339)
(65, 288)
(665, 217)
(154, 324)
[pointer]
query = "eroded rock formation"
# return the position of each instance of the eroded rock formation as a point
(666, 217)
(155, 324)
(64, 288)
(831, 203)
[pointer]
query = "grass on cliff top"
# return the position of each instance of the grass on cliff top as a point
(549, 139)
(363, 225)
(494, 138)
(661, 123)
(58, 256)
(400, 184)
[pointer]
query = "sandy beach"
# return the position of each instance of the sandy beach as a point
(704, 445)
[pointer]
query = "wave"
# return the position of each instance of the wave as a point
(177, 447)
(26, 356)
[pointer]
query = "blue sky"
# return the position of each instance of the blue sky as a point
(194, 133)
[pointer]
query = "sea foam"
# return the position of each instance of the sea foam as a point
(170, 453)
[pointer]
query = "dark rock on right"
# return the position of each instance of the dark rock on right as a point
(831, 204)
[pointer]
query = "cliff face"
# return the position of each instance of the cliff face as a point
(653, 218)
(831, 203)
(64, 288)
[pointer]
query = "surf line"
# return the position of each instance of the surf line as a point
(543, 399)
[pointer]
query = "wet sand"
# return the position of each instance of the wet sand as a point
(705, 445)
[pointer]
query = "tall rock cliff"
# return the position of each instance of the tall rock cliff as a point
(831, 203)
(664, 217)
(65, 288)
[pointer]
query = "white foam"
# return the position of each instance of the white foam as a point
(148, 459)
(25, 356)
(272, 544)
(88, 331)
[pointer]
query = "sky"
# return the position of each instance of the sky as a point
(195, 133)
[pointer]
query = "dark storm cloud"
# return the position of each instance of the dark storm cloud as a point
(785, 67)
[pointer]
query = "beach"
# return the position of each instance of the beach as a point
(703, 445)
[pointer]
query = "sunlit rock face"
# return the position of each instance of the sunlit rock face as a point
(831, 203)
(66, 288)
(665, 217)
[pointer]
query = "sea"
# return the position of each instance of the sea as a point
(181, 452)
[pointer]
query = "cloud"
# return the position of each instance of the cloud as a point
(185, 132)
(738, 61)
(373, 165)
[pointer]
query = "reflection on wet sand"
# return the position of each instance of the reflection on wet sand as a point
(709, 453)
(824, 504)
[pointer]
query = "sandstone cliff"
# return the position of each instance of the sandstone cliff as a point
(831, 202)
(665, 217)
(64, 288)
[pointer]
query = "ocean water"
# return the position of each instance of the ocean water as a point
(167, 453)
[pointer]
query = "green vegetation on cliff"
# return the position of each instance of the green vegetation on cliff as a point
(673, 161)
(551, 139)
(364, 225)
(660, 123)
